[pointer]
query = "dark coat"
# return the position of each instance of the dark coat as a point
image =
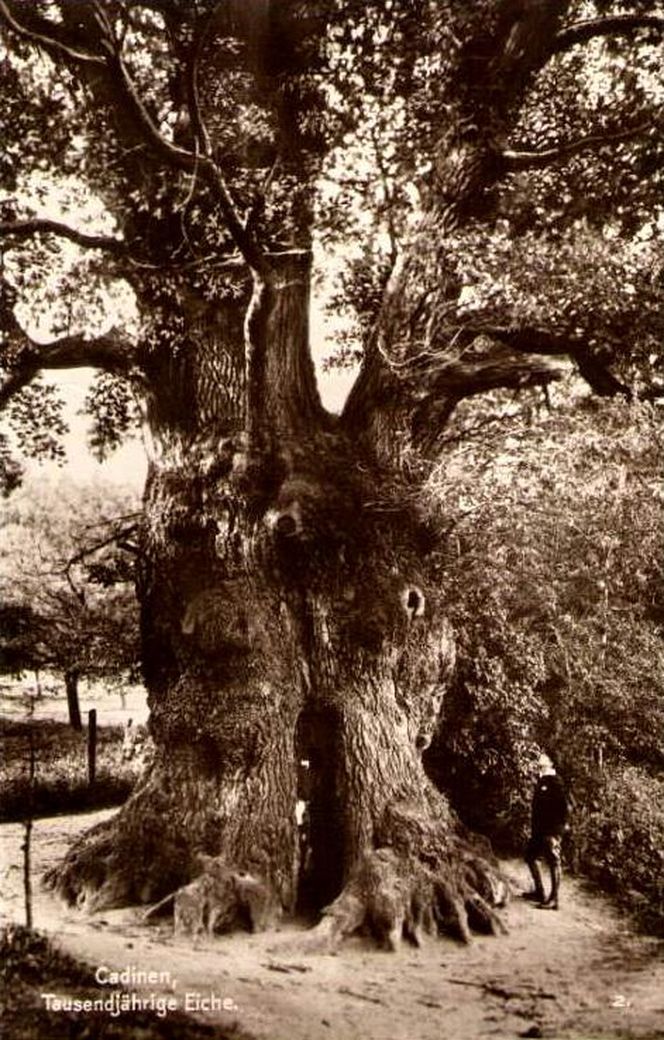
(550, 808)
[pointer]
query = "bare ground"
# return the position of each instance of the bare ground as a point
(577, 973)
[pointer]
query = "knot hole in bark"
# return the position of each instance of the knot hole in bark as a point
(413, 601)
(308, 526)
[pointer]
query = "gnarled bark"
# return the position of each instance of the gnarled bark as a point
(286, 616)
(315, 638)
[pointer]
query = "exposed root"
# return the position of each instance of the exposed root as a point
(89, 877)
(133, 857)
(391, 897)
(104, 870)
(157, 909)
(222, 899)
(482, 916)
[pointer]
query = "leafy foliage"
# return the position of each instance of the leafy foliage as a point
(65, 586)
(114, 411)
(36, 418)
(552, 573)
(619, 841)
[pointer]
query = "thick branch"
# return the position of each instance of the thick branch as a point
(522, 41)
(614, 25)
(22, 229)
(193, 98)
(535, 340)
(526, 160)
(376, 386)
(517, 358)
(432, 392)
(111, 353)
(282, 398)
(495, 369)
(49, 42)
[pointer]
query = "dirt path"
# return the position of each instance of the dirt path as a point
(579, 973)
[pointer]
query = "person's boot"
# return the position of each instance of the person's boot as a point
(536, 896)
(552, 902)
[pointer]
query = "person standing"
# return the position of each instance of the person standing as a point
(548, 824)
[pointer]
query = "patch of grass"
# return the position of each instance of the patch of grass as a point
(30, 965)
(61, 780)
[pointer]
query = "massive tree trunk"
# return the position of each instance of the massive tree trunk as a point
(287, 615)
(286, 618)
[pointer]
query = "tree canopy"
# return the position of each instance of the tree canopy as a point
(180, 141)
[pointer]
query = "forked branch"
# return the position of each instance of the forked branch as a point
(612, 25)
(514, 160)
(22, 229)
(110, 352)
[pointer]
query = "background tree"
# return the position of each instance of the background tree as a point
(66, 588)
(287, 606)
(20, 646)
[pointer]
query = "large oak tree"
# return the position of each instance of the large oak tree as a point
(287, 612)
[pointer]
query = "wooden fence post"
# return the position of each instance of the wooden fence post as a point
(92, 745)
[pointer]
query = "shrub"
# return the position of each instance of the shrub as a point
(618, 841)
(552, 578)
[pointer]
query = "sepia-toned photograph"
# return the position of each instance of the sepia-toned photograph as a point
(332, 519)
